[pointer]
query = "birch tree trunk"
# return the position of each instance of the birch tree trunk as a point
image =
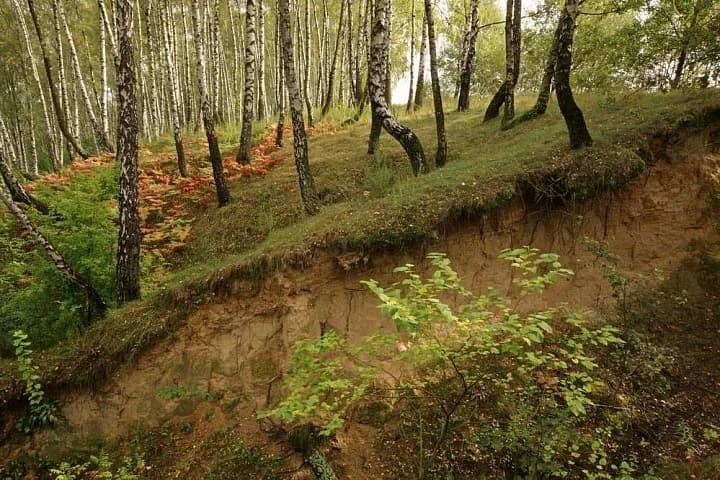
(467, 67)
(243, 155)
(513, 72)
(306, 73)
(441, 155)
(574, 119)
(102, 140)
(17, 191)
(420, 88)
(309, 194)
(223, 194)
(411, 90)
(333, 65)
(52, 141)
(379, 48)
(262, 95)
(95, 305)
(174, 98)
(127, 271)
(546, 84)
(105, 88)
(59, 112)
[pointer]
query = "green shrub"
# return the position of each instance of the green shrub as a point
(503, 389)
(41, 411)
(99, 467)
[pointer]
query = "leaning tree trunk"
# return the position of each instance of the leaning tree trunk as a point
(420, 88)
(127, 272)
(441, 155)
(333, 65)
(467, 67)
(513, 66)
(574, 119)
(175, 91)
(379, 48)
(17, 191)
(223, 194)
(545, 86)
(309, 194)
(96, 306)
(59, 112)
(493, 109)
(243, 155)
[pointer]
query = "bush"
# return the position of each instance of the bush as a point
(498, 388)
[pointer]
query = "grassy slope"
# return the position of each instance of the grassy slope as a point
(368, 207)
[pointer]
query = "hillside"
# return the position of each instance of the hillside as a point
(262, 274)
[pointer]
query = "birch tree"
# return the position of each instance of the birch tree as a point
(243, 155)
(221, 188)
(382, 116)
(441, 155)
(574, 119)
(60, 113)
(127, 271)
(467, 66)
(174, 102)
(309, 194)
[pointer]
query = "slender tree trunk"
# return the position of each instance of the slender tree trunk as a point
(52, 141)
(127, 273)
(243, 155)
(174, 97)
(546, 84)
(420, 88)
(96, 306)
(574, 119)
(441, 155)
(309, 194)
(493, 109)
(262, 95)
(102, 140)
(306, 73)
(411, 92)
(333, 65)
(104, 86)
(59, 112)
(467, 67)
(682, 57)
(513, 66)
(223, 194)
(379, 47)
(280, 130)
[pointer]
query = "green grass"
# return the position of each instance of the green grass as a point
(368, 208)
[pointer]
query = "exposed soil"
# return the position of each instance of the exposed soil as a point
(230, 354)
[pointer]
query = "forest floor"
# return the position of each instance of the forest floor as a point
(194, 250)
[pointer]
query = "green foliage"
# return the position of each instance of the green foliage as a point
(231, 458)
(42, 412)
(34, 296)
(525, 382)
(176, 392)
(378, 177)
(100, 468)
